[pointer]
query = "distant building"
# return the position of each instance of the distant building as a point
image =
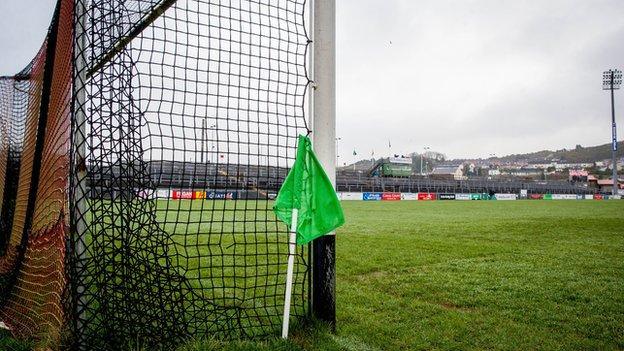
(448, 172)
(535, 173)
(543, 165)
(562, 166)
(606, 185)
(471, 168)
(392, 167)
(494, 172)
(578, 176)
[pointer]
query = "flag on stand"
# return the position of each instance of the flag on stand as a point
(308, 189)
(308, 204)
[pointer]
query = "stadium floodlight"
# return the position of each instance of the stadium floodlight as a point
(338, 139)
(204, 140)
(426, 148)
(612, 80)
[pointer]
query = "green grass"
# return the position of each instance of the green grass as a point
(516, 275)
(483, 275)
(456, 275)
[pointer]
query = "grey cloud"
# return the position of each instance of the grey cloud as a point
(465, 77)
(23, 28)
(474, 77)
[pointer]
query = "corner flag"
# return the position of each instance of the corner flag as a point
(308, 204)
(308, 189)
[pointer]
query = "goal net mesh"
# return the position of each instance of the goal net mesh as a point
(140, 153)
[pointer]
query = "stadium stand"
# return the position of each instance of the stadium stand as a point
(186, 175)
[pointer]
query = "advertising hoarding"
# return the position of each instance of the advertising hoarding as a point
(483, 196)
(221, 195)
(371, 196)
(462, 197)
(163, 193)
(391, 196)
(400, 160)
(396, 170)
(564, 196)
(536, 196)
(146, 194)
(200, 194)
(505, 197)
(182, 194)
(426, 196)
(409, 196)
(446, 196)
(350, 196)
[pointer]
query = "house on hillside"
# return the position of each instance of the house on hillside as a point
(494, 172)
(448, 172)
(532, 173)
(581, 165)
(543, 165)
(606, 185)
(576, 175)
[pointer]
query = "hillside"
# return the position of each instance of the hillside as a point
(576, 155)
(579, 154)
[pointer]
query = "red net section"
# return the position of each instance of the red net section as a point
(6, 107)
(10, 263)
(33, 265)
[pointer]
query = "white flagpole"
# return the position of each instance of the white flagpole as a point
(292, 248)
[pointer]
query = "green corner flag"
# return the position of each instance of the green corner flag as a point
(308, 189)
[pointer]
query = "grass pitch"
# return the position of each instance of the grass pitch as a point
(482, 275)
(517, 275)
(514, 275)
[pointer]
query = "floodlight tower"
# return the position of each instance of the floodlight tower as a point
(611, 80)
(204, 139)
(426, 148)
(338, 139)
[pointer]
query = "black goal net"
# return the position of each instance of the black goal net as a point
(140, 155)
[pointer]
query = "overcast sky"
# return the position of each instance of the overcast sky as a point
(465, 77)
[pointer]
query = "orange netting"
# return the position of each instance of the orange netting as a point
(32, 269)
